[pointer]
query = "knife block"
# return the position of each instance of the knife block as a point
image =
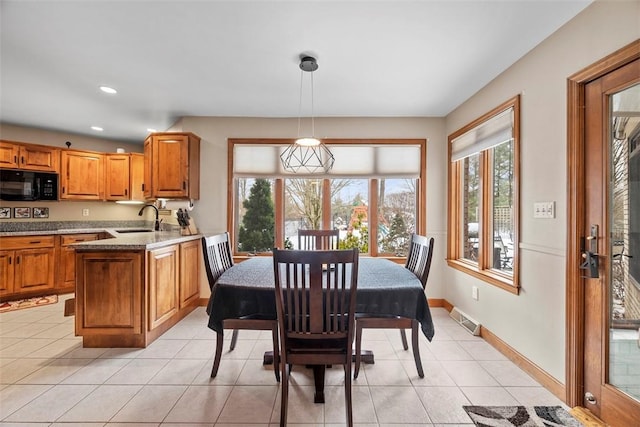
(190, 229)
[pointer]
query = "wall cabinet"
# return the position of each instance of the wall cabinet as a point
(29, 157)
(172, 166)
(136, 176)
(82, 175)
(66, 262)
(27, 265)
(130, 298)
(117, 176)
(124, 176)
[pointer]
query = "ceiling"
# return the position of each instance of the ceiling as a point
(169, 59)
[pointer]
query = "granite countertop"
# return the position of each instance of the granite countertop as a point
(127, 240)
(136, 241)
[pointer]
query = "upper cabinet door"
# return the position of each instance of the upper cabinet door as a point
(136, 176)
(82, 175)
(117, 182)
(8, 155)
(175, 165)
(29, 157)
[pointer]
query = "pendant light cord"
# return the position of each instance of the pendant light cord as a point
(313, 127)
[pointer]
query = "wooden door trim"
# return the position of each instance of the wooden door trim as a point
(575, 212)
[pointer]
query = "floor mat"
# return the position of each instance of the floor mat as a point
(27, 303)
(522, 416)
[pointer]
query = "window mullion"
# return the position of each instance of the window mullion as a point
(279, 212)
(373, 217)
(486, 241)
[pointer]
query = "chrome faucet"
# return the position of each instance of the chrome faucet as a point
(157, 223)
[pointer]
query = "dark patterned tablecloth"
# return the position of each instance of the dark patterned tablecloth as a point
(384, 288)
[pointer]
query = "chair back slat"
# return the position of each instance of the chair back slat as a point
(318, 240)
(419, 258)
(315, 293)
(217, 256)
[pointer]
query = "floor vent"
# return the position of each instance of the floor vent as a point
(468, 323)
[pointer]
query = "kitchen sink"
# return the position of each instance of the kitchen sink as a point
(135, 230)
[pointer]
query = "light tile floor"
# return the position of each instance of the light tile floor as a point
(48, 379)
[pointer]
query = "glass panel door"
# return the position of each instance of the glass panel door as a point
(624, 242)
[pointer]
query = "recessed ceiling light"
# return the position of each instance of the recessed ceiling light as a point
(98, 128)
(151, 130)
(109, 90)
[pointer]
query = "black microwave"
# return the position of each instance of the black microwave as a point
(27, 185)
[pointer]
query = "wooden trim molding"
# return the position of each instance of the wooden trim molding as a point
(575, 334)
(540, 375)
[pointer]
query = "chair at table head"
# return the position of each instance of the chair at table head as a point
(217, 259)
(315, 302)
(217, 256)
(311, 240)
(419, 257)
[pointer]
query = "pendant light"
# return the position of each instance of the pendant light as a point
(307, 154)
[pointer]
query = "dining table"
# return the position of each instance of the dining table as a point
(385, 289)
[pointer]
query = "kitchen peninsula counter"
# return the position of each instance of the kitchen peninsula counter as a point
(132, 288)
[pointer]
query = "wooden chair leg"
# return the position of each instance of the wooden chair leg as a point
(403, 335)
(356, 369)
(276, 352)
(234, 340)
(415, 329)
(347, 393)
(216, 358)
(284, 395)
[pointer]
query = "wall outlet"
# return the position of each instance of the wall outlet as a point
(474, 292)
(85, 212)
(544, 210)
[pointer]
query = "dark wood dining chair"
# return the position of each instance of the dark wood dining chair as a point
(315, 302)
(312, 240)
(419, 262)
(217, 259)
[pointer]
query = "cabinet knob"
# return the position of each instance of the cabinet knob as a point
(126, 192)
(184, 185)
(9, 260)
(22, 159)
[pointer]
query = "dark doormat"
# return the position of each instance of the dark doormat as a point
(522, 416)
(70, 307)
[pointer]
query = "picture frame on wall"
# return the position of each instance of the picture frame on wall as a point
(5, 213)
(22, 212)
(41, 212)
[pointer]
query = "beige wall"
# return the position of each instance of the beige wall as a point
(534, 322)
(71, 210)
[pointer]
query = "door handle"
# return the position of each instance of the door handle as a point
(590, 263)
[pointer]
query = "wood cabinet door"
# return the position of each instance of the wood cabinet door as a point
(136, 176)
(110, 293)
(82, 175)
(189, 272)
(6, 271)
(34, 269)
(8, 155)
(163, 282)
(39, 158)
(117, 180)
(169, 165)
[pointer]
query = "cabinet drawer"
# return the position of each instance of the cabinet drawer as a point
(77, 238)
(27, 242)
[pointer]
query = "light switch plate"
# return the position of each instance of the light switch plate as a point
(544, 210)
